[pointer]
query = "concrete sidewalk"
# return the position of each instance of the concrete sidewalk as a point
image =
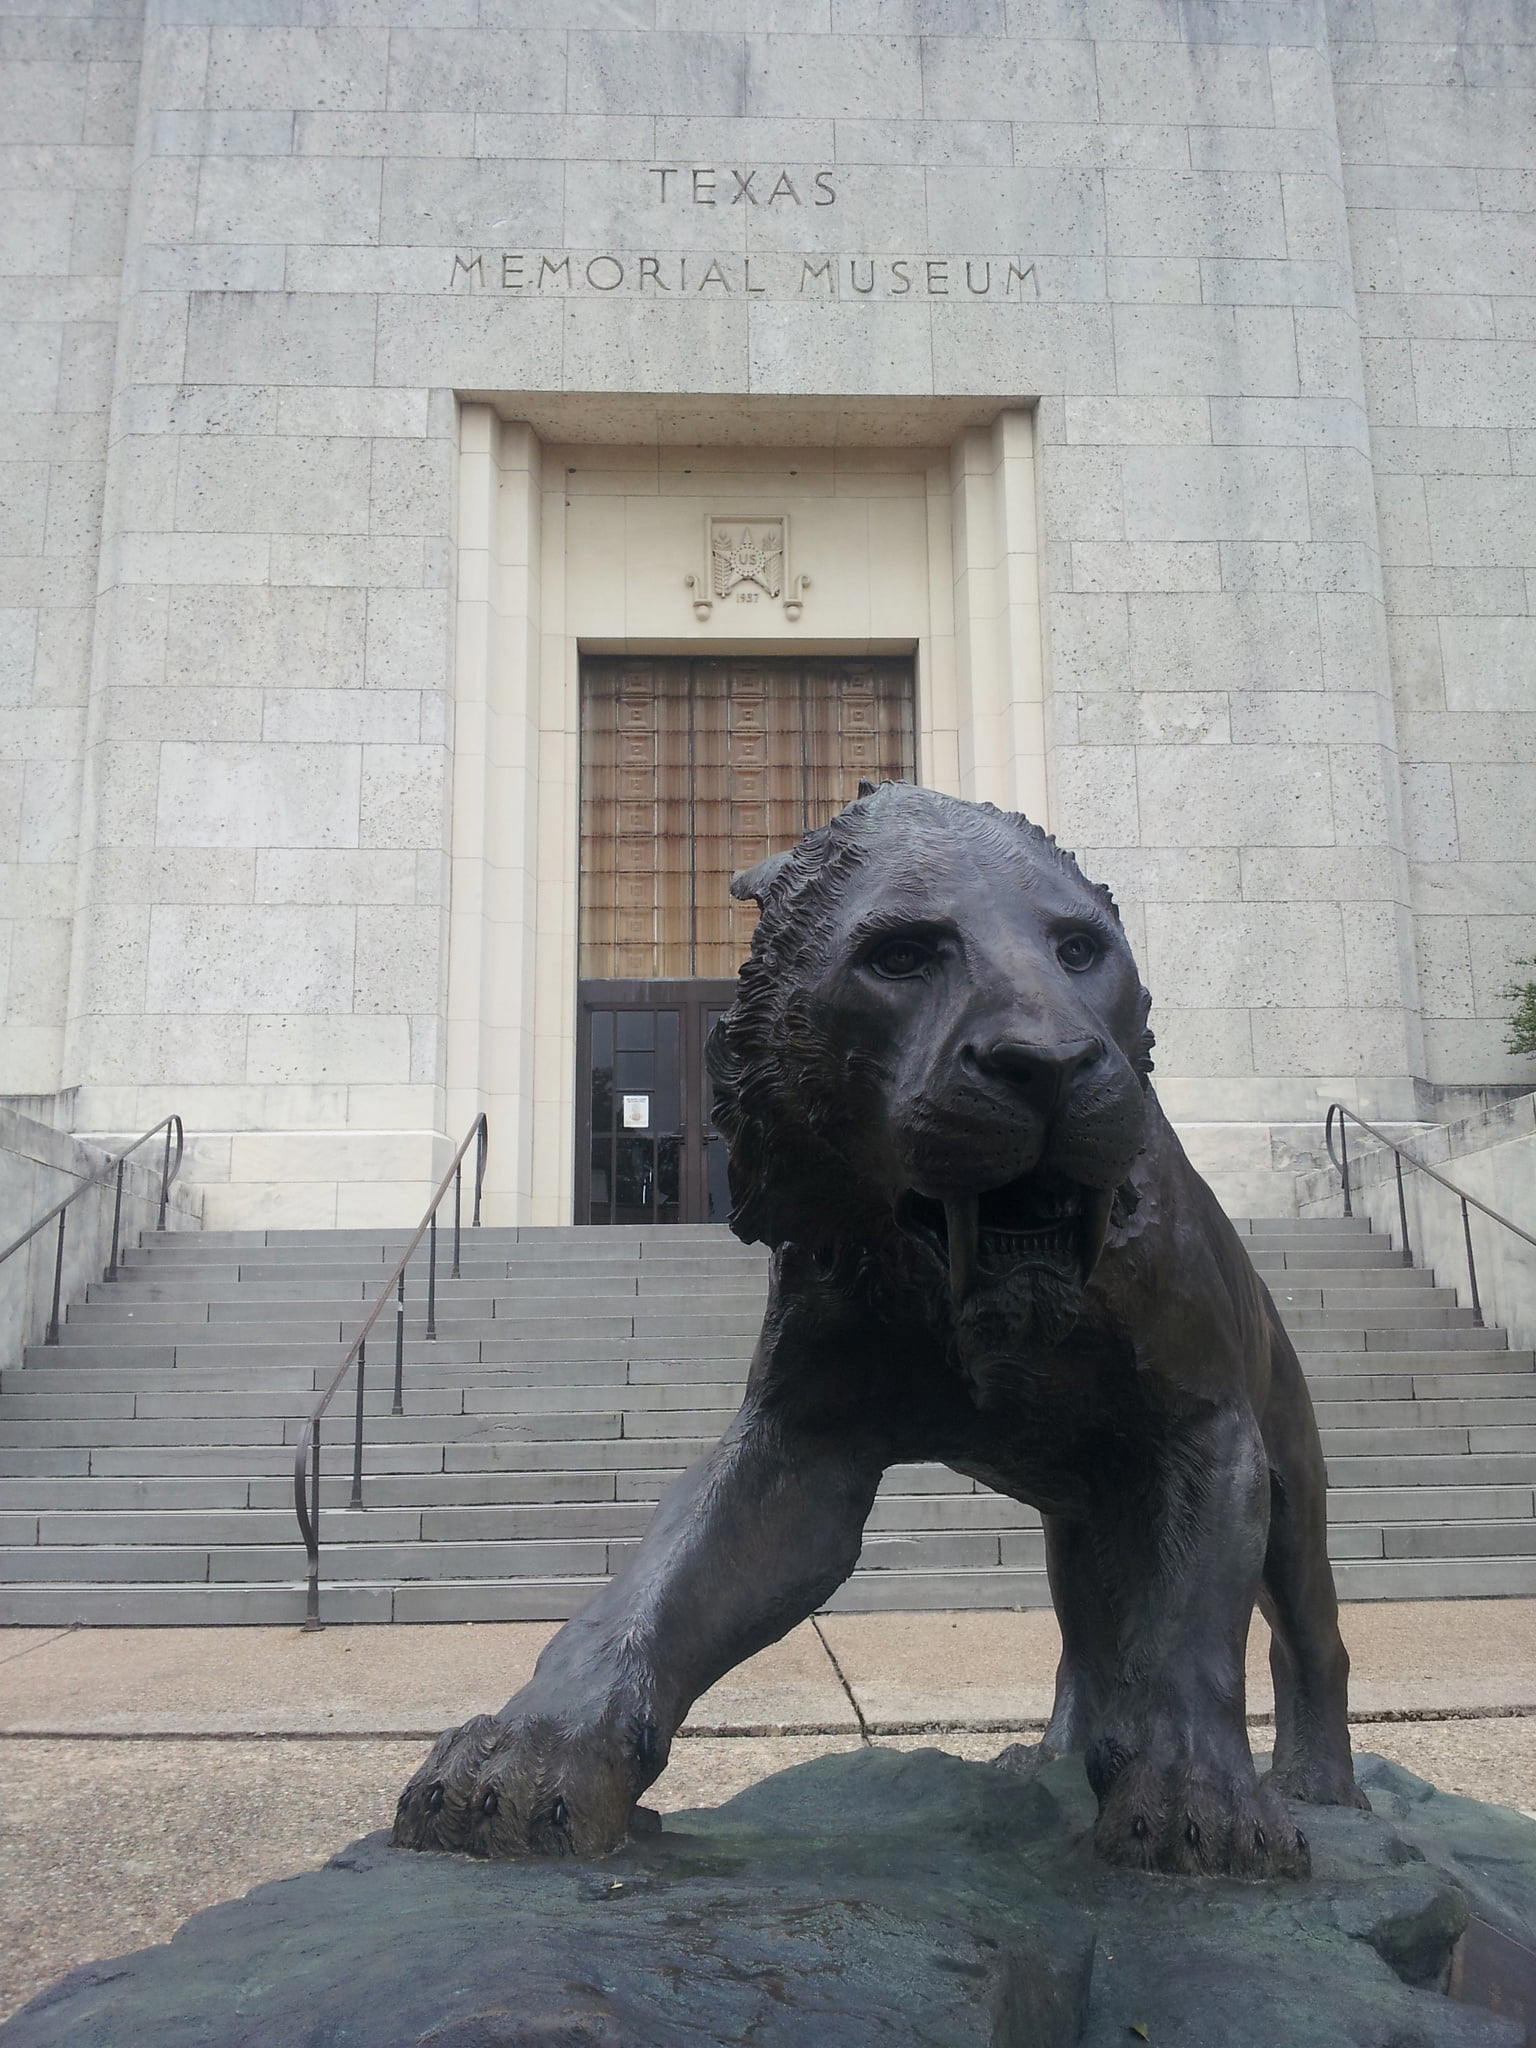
(119, 1816)
(860, 1674)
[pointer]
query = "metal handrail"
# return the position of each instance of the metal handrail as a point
(1399, 1154)
(170, 1166)
(306, 1462)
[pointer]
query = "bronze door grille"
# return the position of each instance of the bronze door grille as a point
(691, 769)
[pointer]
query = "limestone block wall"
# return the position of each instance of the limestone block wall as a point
(1194, 252)
(1437, 115)
(70, 87)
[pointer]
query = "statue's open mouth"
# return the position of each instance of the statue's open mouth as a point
(1040, 1219)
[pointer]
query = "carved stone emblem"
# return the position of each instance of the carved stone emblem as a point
(743, 551)
(746, 560)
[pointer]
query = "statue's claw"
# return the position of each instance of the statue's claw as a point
(523, 1784)
(1192, 1816)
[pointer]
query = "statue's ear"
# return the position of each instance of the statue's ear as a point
(755, 883)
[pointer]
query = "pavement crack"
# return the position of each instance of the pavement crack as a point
(32, 1648)
(842, 1678)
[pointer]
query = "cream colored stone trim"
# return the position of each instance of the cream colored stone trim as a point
(566, 547)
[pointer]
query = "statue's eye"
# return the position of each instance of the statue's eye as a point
(900, 959)
(1077, 952)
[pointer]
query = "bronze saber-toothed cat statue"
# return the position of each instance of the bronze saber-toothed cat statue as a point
(991, 1251)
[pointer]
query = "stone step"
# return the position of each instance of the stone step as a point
(453, 1398)
(1321, 1367)
(352, 1290)
(169, 1300)
(146, 1462)
(430, 1372)
(181, 1527)
(331, 1320)
(521, 1325)
(213, 1349)
(1451, 1468)
(191, 1257)
(392, 1555)
(1330, 1230)
(383, 1429)
(1386, 1314)
(238, 1357)
(1377, 1510)
(144, 1394)
(395, 1241)
(1457, 1413)
(510, 1558)
(420, 1373)
(1371, 1254)
(432, 1367)
(56, 1420)
(643, 1233)
(1351, 1298)
(1310, 1342)
(617, 1297)
(1421, 1386)
(94, 1604)
(1385, 1432)
(266, 1459)
(1447, 1486)
(1388, 1434)
(407, 1488)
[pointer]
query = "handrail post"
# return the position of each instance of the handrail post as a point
(117, 1225)
(114, 1166)
(1466, 1231)
(482, 1146)
(165, 1177)
(52, 1335)
(306, 1457)
(1402, 1206)
(357, 1434)
(1337, 1113)
(312, 1619)
(398, 1406)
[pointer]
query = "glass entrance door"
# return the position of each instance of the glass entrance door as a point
(651, 1154)
(691, 769)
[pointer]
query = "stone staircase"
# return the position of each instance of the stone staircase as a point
(146, 1462)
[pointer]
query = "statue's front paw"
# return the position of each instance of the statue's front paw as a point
(526, 1784)
(1197, 1816)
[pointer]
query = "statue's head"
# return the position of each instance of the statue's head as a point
(940, 1033)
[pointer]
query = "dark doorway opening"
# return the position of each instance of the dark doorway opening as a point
(651, 1155)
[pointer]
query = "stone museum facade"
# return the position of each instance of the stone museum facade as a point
(475, 472)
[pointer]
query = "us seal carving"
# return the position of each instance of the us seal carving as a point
(991, 1251)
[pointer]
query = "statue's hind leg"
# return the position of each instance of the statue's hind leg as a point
(1307, 1658)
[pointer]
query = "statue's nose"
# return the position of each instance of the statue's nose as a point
(1040, 1073)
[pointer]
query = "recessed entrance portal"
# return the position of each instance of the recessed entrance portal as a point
(691, 769)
